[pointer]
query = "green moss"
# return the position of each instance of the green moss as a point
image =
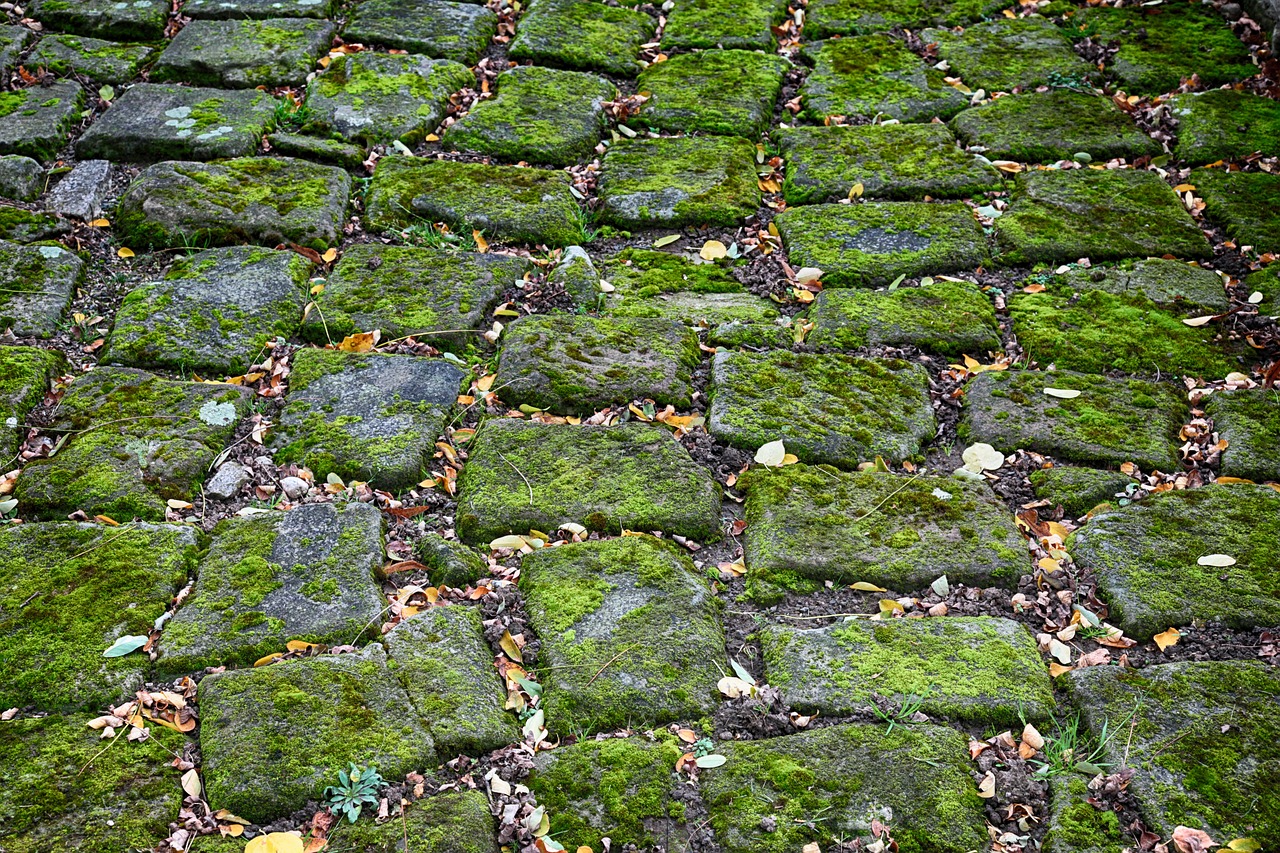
(1078, 825)
(25, 374)
(1077, 490)
(723, 23)
(17, 223)
(944, 317)
(449, 822)
(1247, 203)
(844, 17)
(867, 76)
(1224, 124)
(1007, 54)
(11, 102)
(727, 92)
(582, 34)
(451, 563)
(1250, 421)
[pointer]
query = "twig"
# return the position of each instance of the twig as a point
(609, 662)
(522, 476)
(887, 499)
(125, 529)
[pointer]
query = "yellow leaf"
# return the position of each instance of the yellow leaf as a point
(271, 658)
(1056, 669)
(1168, 638)
(191, 782)
(1182, 188)
(484, 383)
(888, 605)
(317, 288)
(276, 842)
(1223, 481)
(330, 255)
(1197, 321)
(863, 586)
(300, 646)
(100, 223)
(482, 245)
(509, 646)
(856, 190)
(1243, 845)
(1049, 564)
(359, 342)
(124, 252)
(713, 250)
(790, 459)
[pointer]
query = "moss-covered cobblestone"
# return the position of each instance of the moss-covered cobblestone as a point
(725, 92)
(1225, 124)
(1007, 54)
(244, 54)
(100, 61)
(584, 35)
(874, 75)
(1249, 419)
(441, 29)
(944, 317)
(137, 20)
(1246, 204)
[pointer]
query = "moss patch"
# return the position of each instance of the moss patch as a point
(718, 23)
(1077, 490)
(244, 54)
(844, 17)
(36, 283)
(1078, 826)
(584, 35)
(726, 92)
(138, 20)
(1008, 54)
(1170, 284)
(38, 120)
(1250, 421)
(679, 181)
(25, 374)
(449, 822)
(445, 30)
(100, 61)
(450, 563)
(1224, 124)
(866, 76)
(1246, 203)
(944, 317)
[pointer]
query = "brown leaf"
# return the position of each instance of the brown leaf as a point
(1188, 840)
(1167, 638)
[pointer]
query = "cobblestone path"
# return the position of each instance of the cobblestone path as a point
(722, 426)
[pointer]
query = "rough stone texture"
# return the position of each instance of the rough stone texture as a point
(275, 736)
(268, 200)
(36, 122)
(726, 92)
(1076, 825)
(244, 54)
(136, 440)
(25, 374)
(368, 416)
(81, 192)
(629, 634)
(631, 476)
(578, 365)
(584, 35)
(945, 317)
(854, 409)
(446, 667)
(307, 574)
(1145, 558)
(717, 23)
(1250, 421)
(1112, 421)
(841, 17)
(1224, 124)
(109, 582)
(1078, 490)
(322, 150)
(136, 20)
(439, 297)
(152, 121)
(867, 245)
(976, 670)
(1267, 14)
(807, 525)
(98, 60)
(215, 312)
(21, 178)
(1246, 203)
(898, 161)
(227, 482)
(13, 40)
(450, 563)
(1007, 54)
(238, 9)
(1050, 126)
(505, 202)
(866, 76)
(36, 283)
(1164, 282)
(450, 822)
(1060, 216)
(576, 274)
(436, 28)
(1203, 741)
(26, 226)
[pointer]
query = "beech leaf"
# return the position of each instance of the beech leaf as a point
(125, 645)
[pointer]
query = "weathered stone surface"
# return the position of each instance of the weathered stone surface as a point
(80, 193)
(450, 563)
(898, 161)
(842, 17)
(69, 591)
(439, 297)
(238, 9)
(135, 441)
(866, 76)
(1050, 126)
(1225, 124)
(631, 476)
(13, 40)
(945, 317)
(36, 122)
(1059, 216)
(1110, 422)
(227, 482)
(505, 202)
(577, 365)
(446, 667)
(541, 115)
(831, 408)
(806, 525)
(1267, 282)
(1164, 282)
(834, 782)
(321, 150)
(679, 181)
(1078, 490)
(36, 283)
(244, 54)
(1145, 558)
(367, 416)
(976, 670)
(450, 822)
(21, 178)
(867, 245)
(136, 20)
(153, 121)
(1246, 203)
(717, 23)
(374, 97)
(265, 200)
(1203, 742)
(577, 276)
(436, 28)
(25, 374)
(98, 60)
(1007, 54)
(629, 634)
(584, 35)
(1250, 421)
(1076, 825)
(726, 92)
(215, 312)
(275, 736)
(27, 226)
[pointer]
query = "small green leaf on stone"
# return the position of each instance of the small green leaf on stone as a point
(106, 93)
(665, 241)
(125, 645)
(897, 281)
(712, 760)
(941, 586)
(741, 672)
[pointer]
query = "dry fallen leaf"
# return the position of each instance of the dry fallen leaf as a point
(124, 252)
(191, 782)
(982, 457)
(713, 250)
(987, 787)
(1197, 321)
(1220, 561)
(772, 454)
(1188, 840)
(1167, 638)
(1062, 393)
(276, 842)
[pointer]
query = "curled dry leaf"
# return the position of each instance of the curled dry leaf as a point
(734, 687)
(987, 787)
(1188, 840)
(1197, 321)
(1168, 638)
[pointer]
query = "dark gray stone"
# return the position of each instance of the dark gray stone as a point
(1078, 490)
(1164, 282)
(135, 20)
(450, 563)
(98, 60)
(28, 226)
(21, 178)
(1007, 54)
(436, 28)
(244, 54)
(240, 9)
(80, 193)
(13, 40)
(1249, 419)
(36, 283)
(321, 150)
(36, 122)
(227, 482)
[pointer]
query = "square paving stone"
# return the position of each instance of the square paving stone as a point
(135, 441)
(577, 365)
(68, 592)
(868, 76)
(829, 408)
(100, 61)
(629, 634)
(806, 525)
(1247, 204)
(1203, 742)
(1051, 126)
(717, 23)
(1169, 284)
(725, 92)
(1225, 124)
(869, 245)
(898, 161)
(1110, 422)
(306, 574)
(541, 115)
(945, 317)
(829, 785)
(1145, 558)
(21, 178)
(214, 313)
(679, 181)
(263, 200)
(1072, 816)
(505, 202)
(631, 476)
(451, 563)
(439, 297)
(329, 151)
(154, 121)
(975, 670)
(446, 666)
(366, 416)
(244, 54)
(843, 17)
(240, 9)
(135, 20)
(36, 283)
(373, 97)
(37, 121)
(275, 736)
(13, 40)
(1060, 216)
(584, 35)
(62, 791)
(1250, 421)
(25, 374)
(1007, 54)
(1077, 490)
(436, 28)
(448, 822)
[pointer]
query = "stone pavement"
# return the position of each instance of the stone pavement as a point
(785, 426)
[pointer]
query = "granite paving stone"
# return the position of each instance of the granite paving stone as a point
(455, 821)
(244, 54)
(13, 40)
(1247, 204)
(1225, 124)
(21, 178)
(329, 151)
(36, 283)
(1167, 283)
(1078, 490)
(946, 317)
(437, 28)
(118, 20)
(28, 226)
(241, 9)
(715, 23)
(724, 92)
(26, 376)
(874, 75)
(98, 60)
(450, 562)
(1249, 419)
(584, 35)
(1008, 54)
(81, 193)
(36, 122)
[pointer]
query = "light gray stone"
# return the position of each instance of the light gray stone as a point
(227, 482)
(21, 178)
(80, 193)
(36, 283)
(577, 274)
